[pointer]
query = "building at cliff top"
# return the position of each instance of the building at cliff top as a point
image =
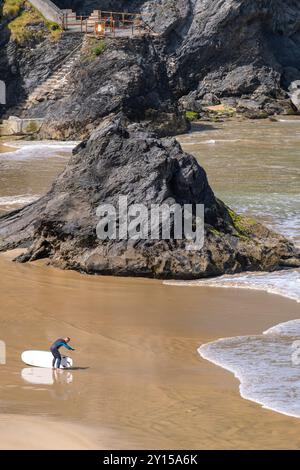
(98, 22)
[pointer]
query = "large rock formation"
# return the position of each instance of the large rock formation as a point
(229, 48)
(232, 48)
(246, 52)
(27, 62)
(238, 50)
(121, 159)
(5, 72)
(128, 76)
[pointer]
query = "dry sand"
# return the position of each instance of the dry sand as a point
(140, 382)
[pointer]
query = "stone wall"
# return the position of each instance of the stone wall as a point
(16, 126)
(49, 10)
(2, 92)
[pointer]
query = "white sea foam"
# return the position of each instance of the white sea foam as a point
(7, 202)
(284, 283)
(36, 144)
(290, 121)
(266, 365)
(36, 149)
(211, 142)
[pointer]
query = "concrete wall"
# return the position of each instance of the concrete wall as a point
(2, 92)
(295, 93)
(49, 10)
(16, 126)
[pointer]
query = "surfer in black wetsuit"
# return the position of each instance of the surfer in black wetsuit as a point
(54, 348)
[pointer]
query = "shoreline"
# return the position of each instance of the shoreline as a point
(142, 383)
(6, 148)
(139, 339)
(235, 281)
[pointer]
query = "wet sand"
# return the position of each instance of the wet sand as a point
(27, 433)
(140, 382)
(6, 148)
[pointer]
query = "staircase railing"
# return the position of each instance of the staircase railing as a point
(65, 59)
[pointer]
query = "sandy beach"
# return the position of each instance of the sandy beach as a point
(149, 176)
(140, 382)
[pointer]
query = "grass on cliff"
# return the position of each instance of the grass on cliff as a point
(94, 48)
(11, 8)
(99, 48)
(26, 23)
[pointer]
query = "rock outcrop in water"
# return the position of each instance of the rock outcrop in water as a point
(121, 159)
(243, 52)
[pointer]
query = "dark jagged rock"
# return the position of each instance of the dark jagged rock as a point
(232, 48)
(124, 160)
(87, 6)
(24, 65)
(128, 76)
(242, 52)
(207, 51)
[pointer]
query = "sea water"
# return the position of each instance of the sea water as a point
(266, 365)
(255, 169)
(25, 173)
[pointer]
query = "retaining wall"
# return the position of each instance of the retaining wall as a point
(17, 126)
(49, 10)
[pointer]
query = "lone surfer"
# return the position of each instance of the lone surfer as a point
(54, 348)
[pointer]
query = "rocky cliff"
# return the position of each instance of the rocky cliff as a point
(129, 76)
(227, 48)
(121, 159)
(240, 49)
(242, 52)
(31, 48)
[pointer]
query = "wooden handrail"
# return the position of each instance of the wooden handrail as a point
(112, 20)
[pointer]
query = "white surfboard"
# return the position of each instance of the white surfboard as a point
(44, 359)
(38, 375)
(45, 376)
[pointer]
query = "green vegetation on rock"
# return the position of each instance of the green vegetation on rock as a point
(32, 127)
(243, 225)
(11, 8)
(216, 232)
(26, 23)
(191, 115)
(220, 111)
(99, 48)
(93, 48)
